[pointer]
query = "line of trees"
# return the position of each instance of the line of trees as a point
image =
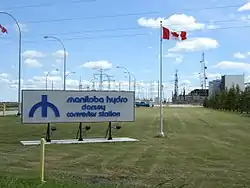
(230, 100)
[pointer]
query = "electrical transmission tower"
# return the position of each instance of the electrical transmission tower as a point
(109, 80)
(80, 84)
(176, 87)
(100, 79)
(203, 74)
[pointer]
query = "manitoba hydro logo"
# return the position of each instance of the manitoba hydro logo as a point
(44, 105)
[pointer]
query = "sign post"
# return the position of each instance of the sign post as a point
(42, 160)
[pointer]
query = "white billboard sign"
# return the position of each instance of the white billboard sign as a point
(54, 106)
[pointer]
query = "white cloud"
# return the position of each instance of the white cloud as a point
(53, 72)
(212, 26)
(195, 44)
(170, 55)
(174, 22)
(72, 83)
(4, 80)
(58, 61)
(244, 7)
(60, 53)
(97, 65)
(245, 18)
(213, 76)
(179, 59)
(4, 75)
(233, 65)
(23, 27)
(33, 54)
(239, 55)
(43, 78)
(185, 83)
(33, 63)
(210, 76)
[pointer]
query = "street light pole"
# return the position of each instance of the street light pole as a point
(67, 76)
(64, 59)
(19, 60)
(119, 86)
(46, 79)
(129, 75)
(134, 81)
(52, 85)
(46, 82)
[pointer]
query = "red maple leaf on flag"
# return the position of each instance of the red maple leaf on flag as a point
(3, 29)
(167, 34)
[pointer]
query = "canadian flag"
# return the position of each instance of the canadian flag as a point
(3, 29)
(168, 35)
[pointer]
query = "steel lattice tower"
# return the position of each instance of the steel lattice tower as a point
(203, 75)
(176, 87)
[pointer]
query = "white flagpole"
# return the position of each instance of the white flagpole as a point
(161, 107)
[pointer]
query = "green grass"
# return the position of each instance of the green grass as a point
(203, 149)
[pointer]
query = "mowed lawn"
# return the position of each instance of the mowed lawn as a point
(203, 149)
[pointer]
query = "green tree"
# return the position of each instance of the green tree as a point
(238, 94)
(231, 100)
(247, 99)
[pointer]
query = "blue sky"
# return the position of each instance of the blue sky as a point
(104, 34)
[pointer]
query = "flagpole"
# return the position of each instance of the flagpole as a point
(19, 60)
(161, 107)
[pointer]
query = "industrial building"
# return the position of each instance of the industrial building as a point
(226, 82)
(197, 96)
(214, 87)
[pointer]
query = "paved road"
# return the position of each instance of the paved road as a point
(14, 112)
(179, 105)
(185, 105)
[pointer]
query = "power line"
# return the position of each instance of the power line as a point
(111, 16)
(90, 17)
(98, 37)
(84, 1)
(128, 35)
(140, 28)
(45, 4)
(213, 8)
(96, 31)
